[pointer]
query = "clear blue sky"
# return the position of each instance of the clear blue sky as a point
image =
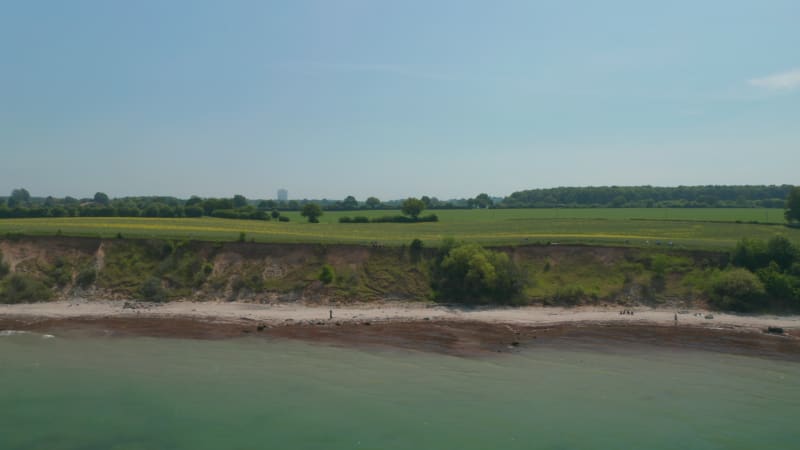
(395, 98)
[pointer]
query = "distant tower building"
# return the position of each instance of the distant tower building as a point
(283, 195)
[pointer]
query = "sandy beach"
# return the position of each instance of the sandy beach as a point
(274, 314)
(417, 326)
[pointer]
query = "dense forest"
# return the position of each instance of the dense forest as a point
(651, 197)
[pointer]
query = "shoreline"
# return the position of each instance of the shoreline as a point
(416, 326)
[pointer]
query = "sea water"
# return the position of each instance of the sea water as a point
(145, 393)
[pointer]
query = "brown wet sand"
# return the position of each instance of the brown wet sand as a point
(452, 337)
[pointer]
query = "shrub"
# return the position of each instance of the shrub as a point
(736, 289)
(751, 254)
(167, 249)
(405, 219)
(86, 277)
(412, 207)
(781, 251)
(283, 219)
(259, 215)
(415, 250)
(23, 288)
(247, 282)
(469, 272)
(569, 295)
(60, 273)
(166, 265)
(659, 264)
(153, 290)
(226, 214)
(312, 211)
(356, 219)
(392, 219)
(327, 274)
(4, 269)
(779, 285)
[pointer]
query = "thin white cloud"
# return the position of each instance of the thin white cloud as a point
(784, 81)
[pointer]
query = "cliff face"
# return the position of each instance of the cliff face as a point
(168, 270)
(67, 267)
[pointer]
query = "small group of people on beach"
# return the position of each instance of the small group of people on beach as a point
(626, 312)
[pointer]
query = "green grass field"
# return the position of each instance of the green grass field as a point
(685, 228)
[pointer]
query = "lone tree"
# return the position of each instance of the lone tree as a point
(484, 201)
(19, 197)
(426, 200)
(793, 205)
(101, 198)
(373, 202)
(413, 207)
(239, 201)
(350, 202)
(312, 211)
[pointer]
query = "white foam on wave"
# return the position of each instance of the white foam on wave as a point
(4, 333)
(12, 332)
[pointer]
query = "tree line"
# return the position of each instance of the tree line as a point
(20, 204)
(651, 197)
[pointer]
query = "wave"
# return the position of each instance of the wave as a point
(5, 333)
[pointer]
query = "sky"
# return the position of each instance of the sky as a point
(446, 98)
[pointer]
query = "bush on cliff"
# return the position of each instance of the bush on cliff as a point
(23, 288)
(153, 290)
(4, 269)
(471, 273)
(86, 277)
(327, 275)
(775, 263)
(736, 290)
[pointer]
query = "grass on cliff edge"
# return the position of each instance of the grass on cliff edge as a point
(686, 228)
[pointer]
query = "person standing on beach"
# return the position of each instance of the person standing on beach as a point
(676, 319)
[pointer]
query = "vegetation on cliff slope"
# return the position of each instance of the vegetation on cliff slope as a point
(757, 275)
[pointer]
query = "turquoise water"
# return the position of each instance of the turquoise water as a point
(144, 393)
